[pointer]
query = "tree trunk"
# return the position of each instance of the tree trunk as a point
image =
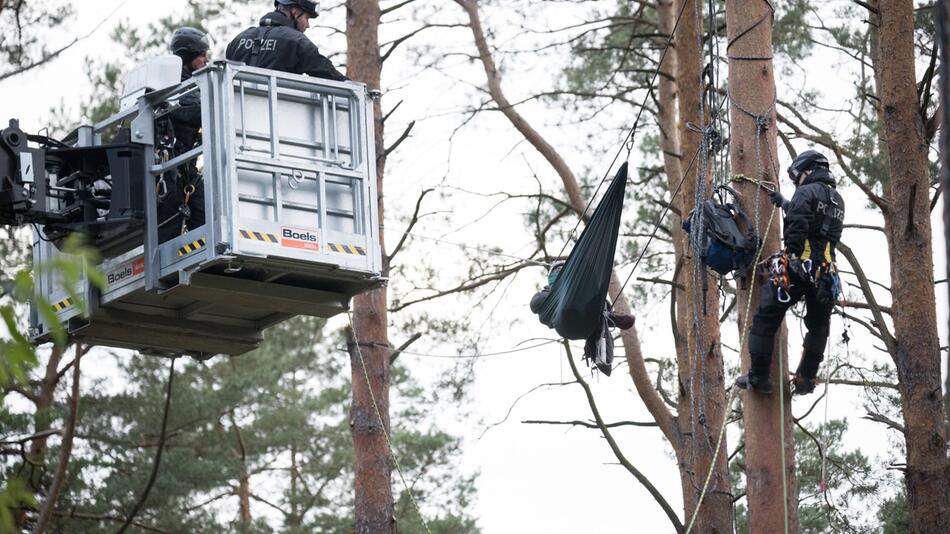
(909, 239)
(752, 90)
(65, 451)
(373, 498)
(668, 120)
(702, 398)
(42, 398)
(943, 37)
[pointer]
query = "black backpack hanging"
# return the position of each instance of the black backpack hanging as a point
(725, 247)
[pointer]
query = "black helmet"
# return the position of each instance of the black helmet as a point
(808, 159)
(312, 9)
(189, 43)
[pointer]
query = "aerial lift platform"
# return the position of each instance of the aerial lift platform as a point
(291, 227)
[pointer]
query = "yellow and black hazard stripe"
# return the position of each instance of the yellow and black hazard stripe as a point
(191, 247)
(347, 249)
(259, 236)
(62, 305)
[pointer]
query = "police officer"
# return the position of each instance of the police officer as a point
(814, 219)
(181, 204)
(279, 43)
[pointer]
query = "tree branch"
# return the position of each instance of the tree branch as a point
(65, 450)
(674, 519)
(395, 354)
(588, 424)
(412, 222)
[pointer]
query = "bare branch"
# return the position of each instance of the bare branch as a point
(670, 513)
(65, 450)
(588, 424)
(412, 339)
(412, 222)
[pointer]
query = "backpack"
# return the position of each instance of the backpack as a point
(725, 248)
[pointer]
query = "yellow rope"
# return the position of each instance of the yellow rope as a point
(781, 422)
(743, 338)
(382, 424)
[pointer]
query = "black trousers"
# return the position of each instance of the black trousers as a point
(169, 216)
(819, 304)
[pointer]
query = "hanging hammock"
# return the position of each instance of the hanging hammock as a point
(575, 305)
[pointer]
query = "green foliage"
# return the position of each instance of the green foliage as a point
(73, 268)
(18, 355)
(13, 495)
(893, 515)
(851, 483)
(24, 29)
(276, 420)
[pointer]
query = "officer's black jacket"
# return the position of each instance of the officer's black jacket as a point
(186, 119)
(277, 45)
(815, 216)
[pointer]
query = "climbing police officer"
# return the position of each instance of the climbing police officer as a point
(182, 193)
(280, 44)
(814, 219)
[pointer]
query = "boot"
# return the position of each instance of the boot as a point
(752, 382)
(812, 356)
(802, 385)
(620, 320)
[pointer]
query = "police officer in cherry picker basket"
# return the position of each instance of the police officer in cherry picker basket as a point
(814, 219)
(279, 43)
(182, 192)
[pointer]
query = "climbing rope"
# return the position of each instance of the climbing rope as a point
(743, 339)
(657, 223)
(478, 249)
(631, 134)
(783, 368)
(382, 424)
(162, 435)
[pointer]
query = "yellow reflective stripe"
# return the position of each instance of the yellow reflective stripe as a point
(828, 251)
(259, 236)
(62, 305)
(806, 253)
(188, 248)
(347, 249)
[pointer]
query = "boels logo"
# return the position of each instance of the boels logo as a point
(298, 238)
(126, 273)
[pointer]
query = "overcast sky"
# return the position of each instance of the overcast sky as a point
(532, 478)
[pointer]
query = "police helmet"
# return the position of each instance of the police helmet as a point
(312, 9)
(808, 159)
(189, 42)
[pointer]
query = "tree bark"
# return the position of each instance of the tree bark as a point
(702, 397)
(42, 397)
(943, 37)
(65, 451)
(752, 90)
(909, 239)
(373, 498)
(668, 119)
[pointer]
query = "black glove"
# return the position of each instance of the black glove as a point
(777, 199)
(797, 271)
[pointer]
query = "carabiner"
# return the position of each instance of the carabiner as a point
(778, 295)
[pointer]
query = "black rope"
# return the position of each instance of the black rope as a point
(659, 221)
(629, 137)
(158, 453)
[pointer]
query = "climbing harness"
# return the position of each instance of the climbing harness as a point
(778, 276)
